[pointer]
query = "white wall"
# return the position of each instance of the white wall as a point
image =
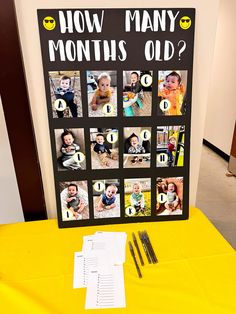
(221, 110)
(206, 19)
(10, 209)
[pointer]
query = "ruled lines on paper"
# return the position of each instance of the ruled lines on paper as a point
(99, 268)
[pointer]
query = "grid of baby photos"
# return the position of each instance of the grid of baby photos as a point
(119, 111)
(118, 155)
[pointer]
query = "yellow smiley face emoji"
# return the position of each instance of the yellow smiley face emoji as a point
(49, 23)
(185, 22)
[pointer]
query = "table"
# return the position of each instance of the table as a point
(196, 272)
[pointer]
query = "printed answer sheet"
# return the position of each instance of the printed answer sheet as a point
(106, 288)
(99, 268)
(112, 242)
(82, 264)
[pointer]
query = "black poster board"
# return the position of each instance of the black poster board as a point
(118, 86)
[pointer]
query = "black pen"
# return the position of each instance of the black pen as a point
(150, 247)
(134, 258)
(137, 248)
(144, 246)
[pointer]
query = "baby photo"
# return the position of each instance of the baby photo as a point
(170, 146)
(104, 148)
(102, 93)
(169, 196)
(74, 200)
(106, 198)
(70, 149)
(137, 93)
(172, 86)
(138, 197)
(65, 89)
(137, 147)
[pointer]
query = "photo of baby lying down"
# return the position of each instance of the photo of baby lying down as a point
(102, 93)
(74, 200)
(169, 196)
(106, 198)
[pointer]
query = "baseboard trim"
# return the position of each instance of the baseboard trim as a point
(216, 150)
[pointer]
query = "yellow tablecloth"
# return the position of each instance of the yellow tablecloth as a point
(196, 272)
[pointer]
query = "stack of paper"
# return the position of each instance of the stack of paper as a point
(99, 268)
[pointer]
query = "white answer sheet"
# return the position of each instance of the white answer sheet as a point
(99, 268)
(112, 242)
(105, 288)
(82, 264)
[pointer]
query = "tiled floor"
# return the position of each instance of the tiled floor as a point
(216, 194)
